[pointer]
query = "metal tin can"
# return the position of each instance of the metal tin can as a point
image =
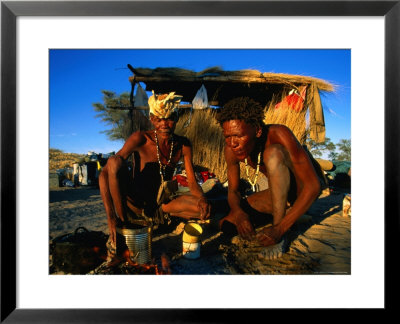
(138, 240)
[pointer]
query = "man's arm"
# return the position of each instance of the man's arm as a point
(194, 187)
(236, 213)
(110, 184)
(304, 173)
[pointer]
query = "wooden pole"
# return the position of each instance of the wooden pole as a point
(132, 100)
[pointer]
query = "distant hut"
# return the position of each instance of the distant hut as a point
(291, 100)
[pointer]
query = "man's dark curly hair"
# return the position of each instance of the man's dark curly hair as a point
(243, 108)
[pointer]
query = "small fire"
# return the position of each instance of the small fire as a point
(127, 257)
(124, 263)
(165, 264)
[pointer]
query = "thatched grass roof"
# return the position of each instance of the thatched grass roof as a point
(218, 75)
(222, 85)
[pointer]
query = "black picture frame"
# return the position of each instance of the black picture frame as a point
(11, 10)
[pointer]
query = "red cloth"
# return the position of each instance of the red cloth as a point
(207, 175)
(182, 180)
(294, 100)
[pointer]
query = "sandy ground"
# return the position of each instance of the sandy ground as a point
(319, 243)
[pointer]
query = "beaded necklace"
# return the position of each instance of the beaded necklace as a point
(162, 167)
(253, 183)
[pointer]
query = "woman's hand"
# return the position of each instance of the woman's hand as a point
(204, 207)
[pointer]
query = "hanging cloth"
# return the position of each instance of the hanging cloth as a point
(294, 100)
(141, 99)
(200, 101)
(317, 120)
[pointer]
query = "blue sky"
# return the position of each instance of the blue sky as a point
(78, 76)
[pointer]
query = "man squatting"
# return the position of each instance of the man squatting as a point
(156, 154)
(293, 183)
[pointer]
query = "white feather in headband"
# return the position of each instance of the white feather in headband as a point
(163, 105)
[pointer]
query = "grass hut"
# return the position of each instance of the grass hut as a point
(291, 100)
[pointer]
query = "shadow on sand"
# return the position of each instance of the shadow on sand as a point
(321, 209)
(72, 194)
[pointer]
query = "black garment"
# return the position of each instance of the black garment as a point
(145, 184)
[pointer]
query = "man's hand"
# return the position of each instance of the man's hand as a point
(243, 225)
(269, 236)
(204, 208)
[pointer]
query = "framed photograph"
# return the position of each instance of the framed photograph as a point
(32, 29)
